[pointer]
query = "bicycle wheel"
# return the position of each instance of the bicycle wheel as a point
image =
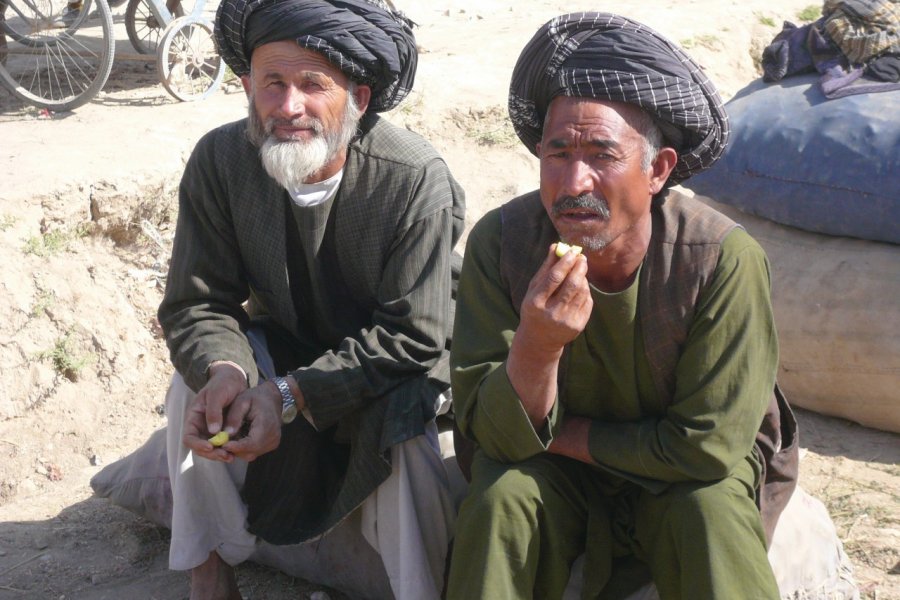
(52, 64)
(23, 19)
(189, 66)
(144, 29)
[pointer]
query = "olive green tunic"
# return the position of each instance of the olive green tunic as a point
(700, 440)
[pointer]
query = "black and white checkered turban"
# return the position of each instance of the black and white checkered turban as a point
(609, 57)
(366, 39)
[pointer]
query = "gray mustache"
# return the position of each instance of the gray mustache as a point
(586, 200)
(306, 122)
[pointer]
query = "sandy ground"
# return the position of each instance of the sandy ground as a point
(87, 214)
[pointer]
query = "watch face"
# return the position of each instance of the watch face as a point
(289, 413)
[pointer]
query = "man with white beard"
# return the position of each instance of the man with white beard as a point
(311, 275)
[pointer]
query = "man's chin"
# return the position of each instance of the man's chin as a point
(587, 241)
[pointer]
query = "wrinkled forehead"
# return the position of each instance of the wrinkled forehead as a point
(576, 114)
(287, 58)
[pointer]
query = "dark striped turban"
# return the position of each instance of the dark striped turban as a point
(608, 57)
(366, 39)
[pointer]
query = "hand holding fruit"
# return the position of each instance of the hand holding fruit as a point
(562, 248)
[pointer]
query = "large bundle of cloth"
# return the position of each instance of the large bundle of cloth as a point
(855, 46)
(796, 158)
(837, 314)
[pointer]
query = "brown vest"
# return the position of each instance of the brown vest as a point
(682, 257)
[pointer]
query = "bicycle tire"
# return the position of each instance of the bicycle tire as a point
(3, 45)
(144, 32)
(189, 66)
(21, 28)
(61, 69)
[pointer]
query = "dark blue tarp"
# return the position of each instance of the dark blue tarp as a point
(799, 159)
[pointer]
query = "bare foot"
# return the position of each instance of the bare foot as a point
(214, 580)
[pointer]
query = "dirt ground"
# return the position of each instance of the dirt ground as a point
(87, 214)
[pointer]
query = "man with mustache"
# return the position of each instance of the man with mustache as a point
(622, 400)
(311, 278)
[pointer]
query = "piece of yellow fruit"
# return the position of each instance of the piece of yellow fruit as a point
(562, 248)
(219, 439)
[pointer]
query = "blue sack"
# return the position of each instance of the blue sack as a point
(799, 159)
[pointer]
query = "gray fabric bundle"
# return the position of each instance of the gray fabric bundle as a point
(609, 57)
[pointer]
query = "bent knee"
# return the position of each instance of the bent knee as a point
(695, 505)
(518, 491)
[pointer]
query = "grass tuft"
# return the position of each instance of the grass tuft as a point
(7, 221)
(53, 242)
(706, 41)
(810, 13)
(67, 361)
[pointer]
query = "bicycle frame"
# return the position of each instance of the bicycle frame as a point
(164, 16)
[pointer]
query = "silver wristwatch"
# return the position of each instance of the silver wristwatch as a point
(288, 402)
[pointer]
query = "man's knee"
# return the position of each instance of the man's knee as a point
(516, 492)
(693, 508)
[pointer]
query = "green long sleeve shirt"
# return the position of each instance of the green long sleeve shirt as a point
(724, 376)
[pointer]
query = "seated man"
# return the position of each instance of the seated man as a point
(616, 393)
(311, 274)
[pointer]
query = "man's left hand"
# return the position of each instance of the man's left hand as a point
(261, 408)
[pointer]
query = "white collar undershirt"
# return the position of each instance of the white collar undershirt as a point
(312, 194)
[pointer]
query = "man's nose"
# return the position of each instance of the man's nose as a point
(293, 103)
(578, 178)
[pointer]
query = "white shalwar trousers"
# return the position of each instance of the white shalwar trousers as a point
(408, 520)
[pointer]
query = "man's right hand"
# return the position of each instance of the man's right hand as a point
(557, 305)
(556, 308)
(205, 414)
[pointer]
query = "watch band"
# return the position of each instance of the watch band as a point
(288, 402)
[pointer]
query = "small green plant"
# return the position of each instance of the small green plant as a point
(810, 13)
(7, 221)
(767, 21)
(707, 41)
(498, 136)
(53, 242)
(66, 360)
(412, 105)
(42, 303)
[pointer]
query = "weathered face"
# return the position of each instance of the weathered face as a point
(593, 182)
(292, 87)
(302, 113)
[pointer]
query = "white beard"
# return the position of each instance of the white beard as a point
(293, 162)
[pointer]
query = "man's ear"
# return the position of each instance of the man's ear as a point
(661, 168)
(362, 96)
(245, 81)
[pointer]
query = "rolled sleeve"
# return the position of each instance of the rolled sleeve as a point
(487, 408)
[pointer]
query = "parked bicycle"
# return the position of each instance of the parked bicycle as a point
(58, 55)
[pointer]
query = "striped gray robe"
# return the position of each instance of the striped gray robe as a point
(364, 326)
